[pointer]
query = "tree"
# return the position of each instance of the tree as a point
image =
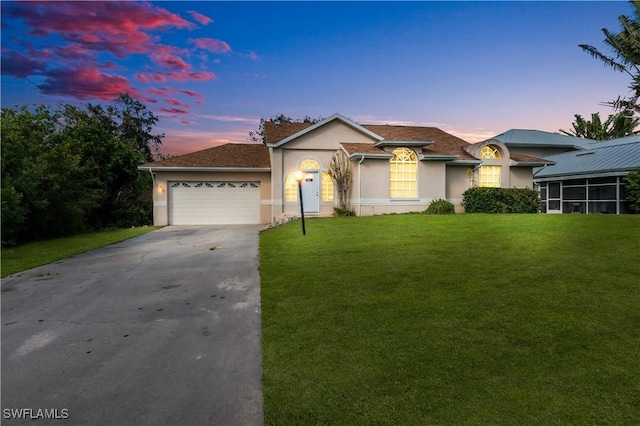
(72, 169)
(632, 184)
(616, 126)
(340, 172)
(257, 135)
(625, 57)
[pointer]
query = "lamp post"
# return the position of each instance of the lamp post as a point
(299, 175)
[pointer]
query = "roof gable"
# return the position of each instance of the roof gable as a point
(279, 133)
(228, 156)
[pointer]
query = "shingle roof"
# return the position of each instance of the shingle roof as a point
(224, 156)
(601, 157)
(443, 142)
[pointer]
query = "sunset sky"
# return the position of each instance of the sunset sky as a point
(211, 70)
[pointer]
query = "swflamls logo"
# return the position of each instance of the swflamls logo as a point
(35, 413)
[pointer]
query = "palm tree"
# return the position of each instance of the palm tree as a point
(625, 46)
(616, 126)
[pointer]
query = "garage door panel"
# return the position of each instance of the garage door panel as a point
(214, 203)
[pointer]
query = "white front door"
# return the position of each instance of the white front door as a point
(311, 192)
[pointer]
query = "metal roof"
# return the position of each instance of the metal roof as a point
(617, 155)
(537, 138)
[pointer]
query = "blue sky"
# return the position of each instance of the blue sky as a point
(211, 70)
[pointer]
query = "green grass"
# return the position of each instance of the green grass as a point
(466, 319)
(27, 256)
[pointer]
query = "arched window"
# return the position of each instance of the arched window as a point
(309, 164)
(403, 174)
(489, 175)
(490, 152)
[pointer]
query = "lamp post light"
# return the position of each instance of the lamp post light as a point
(299, 175)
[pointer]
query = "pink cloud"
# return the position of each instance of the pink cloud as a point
(198, 76)
(84, 83)
(18, 65)
(170, 61)
(211, 44)
(174, 110)
(202, 19)
(176, 102)
(150, 78)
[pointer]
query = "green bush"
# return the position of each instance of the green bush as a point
(338, 211)
(632, 184)
(500, 200)
(440, 206)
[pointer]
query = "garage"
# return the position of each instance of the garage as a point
(214, 203)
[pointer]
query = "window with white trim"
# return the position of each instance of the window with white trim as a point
(327, 187)
(403, 174)
(489, 176)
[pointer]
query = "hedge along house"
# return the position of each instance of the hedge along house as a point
(396, 169)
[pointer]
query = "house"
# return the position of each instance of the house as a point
(395, 169)
(581, 175)
(590, 180)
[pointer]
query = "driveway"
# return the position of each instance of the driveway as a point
(162, 329)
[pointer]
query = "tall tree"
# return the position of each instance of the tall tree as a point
(615, 126)
(625, 56)
(72, 168)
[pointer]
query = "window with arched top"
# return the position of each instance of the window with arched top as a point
(309, 164)
(403, 173)
(490, 152)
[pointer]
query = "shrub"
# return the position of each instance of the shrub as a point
(440, 206)
(339, 211)
(500, 200)
(632, 184)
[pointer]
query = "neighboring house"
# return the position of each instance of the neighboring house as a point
(395, 169)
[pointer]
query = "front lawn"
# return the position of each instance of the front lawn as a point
(27, 256)
(465, 319)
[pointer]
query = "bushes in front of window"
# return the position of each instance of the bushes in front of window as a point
(440, 206)
(500, 200)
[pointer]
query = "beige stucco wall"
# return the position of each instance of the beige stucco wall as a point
(521, 177)
(320, 145)
(371, 196)
(457, 182)
(161, 192)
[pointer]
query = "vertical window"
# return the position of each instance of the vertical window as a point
(327, 187)
(291, 188)
(489, 176)
(403, 174)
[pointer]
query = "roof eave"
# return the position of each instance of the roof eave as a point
(438, 157)
(369, 155)
(465, 162)
(204, 169)
(391, 142)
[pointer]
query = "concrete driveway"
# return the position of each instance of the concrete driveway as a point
(162, 329)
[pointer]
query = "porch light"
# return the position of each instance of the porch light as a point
(299, 176)
(160, 188)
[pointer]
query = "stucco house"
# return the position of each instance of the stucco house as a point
(395, 169)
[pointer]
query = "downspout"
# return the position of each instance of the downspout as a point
(153, 177)
(360, 187)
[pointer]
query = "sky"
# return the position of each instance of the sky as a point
(211, 70)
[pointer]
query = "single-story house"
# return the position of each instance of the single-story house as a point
(395, 169)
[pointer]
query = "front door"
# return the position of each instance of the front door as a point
(311, 192)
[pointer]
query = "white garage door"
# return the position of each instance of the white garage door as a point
(214, 203)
